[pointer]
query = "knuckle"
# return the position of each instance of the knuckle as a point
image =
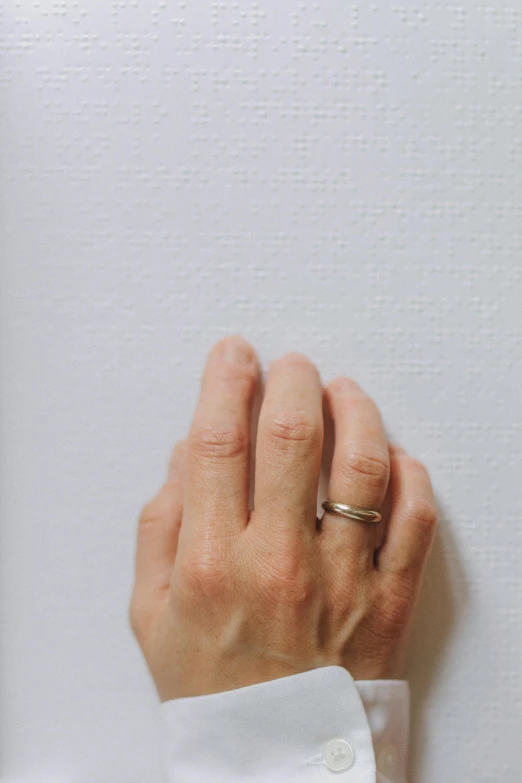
(393, 609)
(157, 508)
(136, 615)
(287, 427)
(282, 588)
(368, 462)
(421, 513)
(151, 512)
(203, 571)
(284, 578)
(214, 441)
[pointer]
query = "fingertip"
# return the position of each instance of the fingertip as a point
(235, 349)
(343, 385)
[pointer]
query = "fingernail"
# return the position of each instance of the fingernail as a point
(343, 385)
(398, 449)
(237, 352)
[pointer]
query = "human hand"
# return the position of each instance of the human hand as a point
(224, 597)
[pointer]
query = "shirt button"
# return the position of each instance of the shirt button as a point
(387, 760)
(338, 755)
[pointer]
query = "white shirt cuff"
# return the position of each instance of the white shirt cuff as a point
(318, 725)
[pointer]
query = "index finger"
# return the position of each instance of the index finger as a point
(218, 444)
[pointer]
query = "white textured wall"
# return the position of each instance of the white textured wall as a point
(342, 179)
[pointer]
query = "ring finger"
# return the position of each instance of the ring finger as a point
(360, 466)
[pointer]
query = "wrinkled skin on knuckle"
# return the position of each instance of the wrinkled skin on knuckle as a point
(203, 574)
(283, 577)
(423, 514)
(367, 462)
(291, 429)
(213, 442)
(152, 512)
(392, 609)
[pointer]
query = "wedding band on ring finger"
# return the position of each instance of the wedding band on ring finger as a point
(364, 515)
(360, 467)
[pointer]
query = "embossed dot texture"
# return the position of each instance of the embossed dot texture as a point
(341, 179)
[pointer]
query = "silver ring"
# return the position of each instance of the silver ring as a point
(352, 512)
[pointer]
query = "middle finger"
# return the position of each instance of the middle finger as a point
(289, 446)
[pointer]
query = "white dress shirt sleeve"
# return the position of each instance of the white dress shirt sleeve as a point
(318, 725)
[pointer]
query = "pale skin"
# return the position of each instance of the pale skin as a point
(225, 597)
